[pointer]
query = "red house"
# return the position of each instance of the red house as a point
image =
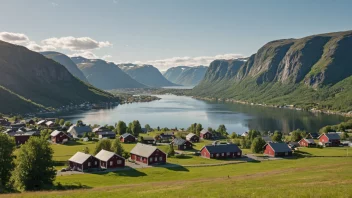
(110, 160)
(331, 139)
(21, 138)
(127, 138)
(205, 134)
(307, 143)
(148, 154)
(182, 144)
(277, 149)
(192, 137)
(59, 137)
(83, 162)
(221, 151)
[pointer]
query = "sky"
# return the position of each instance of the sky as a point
(166, 33)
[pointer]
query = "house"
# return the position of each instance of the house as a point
(205, 134)
(30, 121)
(221, 151)
(100, 129)
(307, 143)
(17, 126)
(50, 124)
(192, 137)
(245, 134)
(166, 137)
(21, 138)
(41, 123)
(147, 140)
(182, 144)
(110, 160)
(83, 162)
(277, 149)
(267, 139)
(330, 139)
(313, 135)
(127, 138)
(59, 137)
(4, 122)
(148, 154)
(78, 131)
(293, 145)
(106, 134)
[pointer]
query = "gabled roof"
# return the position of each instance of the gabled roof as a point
(222, 148)
(105, 155)
(179, 141)
(79, 129)
(48, 123)
(331, 136)
(244, 134)
(102, 128)
(41, 122)
(309, 141)
(279, 147)
(126, 135)
(148, 138)
(204, 131)
(55, 133)
(314, 135)
(80, 157)
(29, 133)
(144, 150)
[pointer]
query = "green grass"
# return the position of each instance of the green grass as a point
(328, 151)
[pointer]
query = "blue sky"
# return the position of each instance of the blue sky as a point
(167, 32)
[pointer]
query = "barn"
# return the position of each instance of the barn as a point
(205, 134)
(277, 149)
(106, 134)
(148, 154)
(192, 137)
(59, 137)
(307, 143)
(83, 162)
(182, 144)
(127, 138)
(21, 138)
(110, 160)
(331, 139)
(221, 151)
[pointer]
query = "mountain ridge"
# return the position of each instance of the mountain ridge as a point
(185, 75)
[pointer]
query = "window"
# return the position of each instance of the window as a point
(286, 153)
(228, 154)
(119, 162)
(156, 159)
(160, 158)
(95, 162)
(88, 163)
(211, 155)
(110, 163)
(185, 147)
(150, 159)
(217, 155)
(239, 153)
(223, 154)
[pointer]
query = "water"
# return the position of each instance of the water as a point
(180, 111)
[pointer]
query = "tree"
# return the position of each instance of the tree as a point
(126, 155)
(344, 135)
(61, 122)
(136, 128)
(171, 151)
(296, 135)
(277, 137)
(79, 123)
(158, 128)
(57, 121)
(257, 145)
(210, 129)
(45, 133)
(117, 147)
(7, 147)
(148, 128)
(86, 150)
(233, 135)
(102, 144)
(68, 123)
(245, 143)
(35, 166)
(199, 128)
(222, 130)
(253, 134)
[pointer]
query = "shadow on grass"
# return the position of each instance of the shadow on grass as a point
(300, 154)
(60, 163)
(73, 186)
(175, 167)
(72, 143)
(123, 173)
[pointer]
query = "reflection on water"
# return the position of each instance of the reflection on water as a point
(180, 111)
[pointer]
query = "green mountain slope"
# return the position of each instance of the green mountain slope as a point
(187, 76)
(311, 72)
(36, 79)
(105, 75)
(66, 62)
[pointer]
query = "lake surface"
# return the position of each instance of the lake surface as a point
(180, 111)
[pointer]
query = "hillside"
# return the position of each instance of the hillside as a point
(187, 76)
(29, 80)
(66, 62)
(105, 75)
(311, 72)
(146, 74)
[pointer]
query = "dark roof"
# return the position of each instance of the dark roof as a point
(107, 133)
(126, 135)
(222, 148)
(314, 135)
(332, 136)
(279, 147)
(148, 138)
(179, 141)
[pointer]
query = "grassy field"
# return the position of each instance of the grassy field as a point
(303, 177)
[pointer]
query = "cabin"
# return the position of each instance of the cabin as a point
(147, 140)
(106, 134)
(313, 135)
(147, 154)
(221, 151)
(329, 139)
(100, 129)
(205, 134)
(127, 138)
(277, 149)
(166, 137)
(110, 160)
(17, 126)
(307, 143)
(78, 131)
(59, 137)
(50, 124)
(4, 122)
(83, 162)
(192, 137)
(41, 123)
(22, 138)
(182, 144)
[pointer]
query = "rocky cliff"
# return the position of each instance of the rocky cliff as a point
(187, 76)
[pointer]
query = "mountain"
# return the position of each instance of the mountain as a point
(187, 76)
(146, 74)
(105, 75)
(311, 72)
(29, 80)
(66, 62)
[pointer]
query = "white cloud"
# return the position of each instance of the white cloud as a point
(15, 38)
(85, 54)
(39, 48)
(106, 57)
(165, 64)
(76, 44)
